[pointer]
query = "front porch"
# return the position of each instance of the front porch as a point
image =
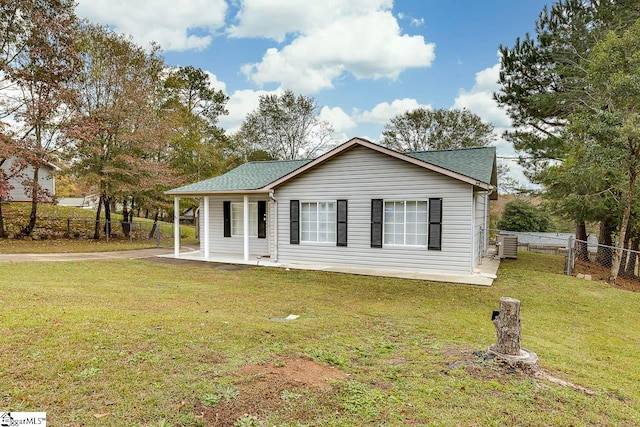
(483, 275)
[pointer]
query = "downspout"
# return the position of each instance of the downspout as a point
(485, 246)
(275, 224)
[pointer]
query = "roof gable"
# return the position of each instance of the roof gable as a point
(475, 167)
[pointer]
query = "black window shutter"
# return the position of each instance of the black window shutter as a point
(262, 219)
(226, 207)
(294, 222)
(435, 224)
(342, 223)
(376, 223)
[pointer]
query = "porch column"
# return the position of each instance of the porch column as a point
(206, 226)
(246, 227)
(176, 226)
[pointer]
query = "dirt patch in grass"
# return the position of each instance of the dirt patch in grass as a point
(601, 273)
(265, 389)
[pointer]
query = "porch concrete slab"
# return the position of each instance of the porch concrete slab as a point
(484, 274)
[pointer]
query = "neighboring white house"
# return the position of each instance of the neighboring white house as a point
(360, 206)
(46, 179)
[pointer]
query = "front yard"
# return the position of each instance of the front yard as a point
(147, 344)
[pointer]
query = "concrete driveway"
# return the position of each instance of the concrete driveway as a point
(87, 256)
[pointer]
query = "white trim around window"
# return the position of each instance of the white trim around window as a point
(237, 219)
(318, 222)
(405, 223)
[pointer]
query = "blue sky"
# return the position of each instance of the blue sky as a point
(363, 61)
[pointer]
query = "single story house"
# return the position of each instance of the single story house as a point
(359, 208)
(46, 179)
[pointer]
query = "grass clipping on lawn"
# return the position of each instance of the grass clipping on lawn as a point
(146, 344)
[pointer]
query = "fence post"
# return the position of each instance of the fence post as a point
(68, 228)
(158, 235)
(569, 267)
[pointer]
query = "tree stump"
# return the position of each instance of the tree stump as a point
(508, 329)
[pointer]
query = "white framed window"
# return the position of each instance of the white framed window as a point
(318, 222)
(237, 219)
(405, 222)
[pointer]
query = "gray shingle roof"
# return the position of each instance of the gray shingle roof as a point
(249, 176)
(476, 163)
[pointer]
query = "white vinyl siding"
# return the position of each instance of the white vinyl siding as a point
(318, 222)
(360, 175)
(237, 219)
(20, 193)
(234, 244)
(405, 223)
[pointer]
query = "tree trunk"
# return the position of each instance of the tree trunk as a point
(603, 256)
(582, 253)
(2, 232)
(154, 227)
(96, 230)
(617, 254)
(107, 216)
(126, 224)
(630, 271)
(508, 329)
(28, 229)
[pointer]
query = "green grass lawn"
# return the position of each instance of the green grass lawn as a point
(147, 344)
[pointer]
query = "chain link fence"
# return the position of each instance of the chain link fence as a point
(587, 258)
(50, 228)
(596, 260)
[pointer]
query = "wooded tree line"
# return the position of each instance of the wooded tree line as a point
(129, 126)
(121, 120)
(572, 90)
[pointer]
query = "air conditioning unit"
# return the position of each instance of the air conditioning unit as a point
(507, 246)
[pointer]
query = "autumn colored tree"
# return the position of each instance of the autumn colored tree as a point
(39, 64)
(119, 134)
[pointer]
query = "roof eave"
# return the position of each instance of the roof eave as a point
(201, 193)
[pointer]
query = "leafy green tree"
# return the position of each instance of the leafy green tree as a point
(609, 116)
(582, 189)
(542, 77)
(521, 215)
(423, 130)
(197, 148)
(285, 127)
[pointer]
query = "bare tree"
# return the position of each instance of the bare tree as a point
(423, 130)
(286, 127)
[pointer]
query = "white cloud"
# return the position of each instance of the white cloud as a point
(384, 111)
(215, 83)
(176, 25)
(369, 45)
(275, 19)
(414, 21)
(340, 120)
(479, 99)
(241, 103)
